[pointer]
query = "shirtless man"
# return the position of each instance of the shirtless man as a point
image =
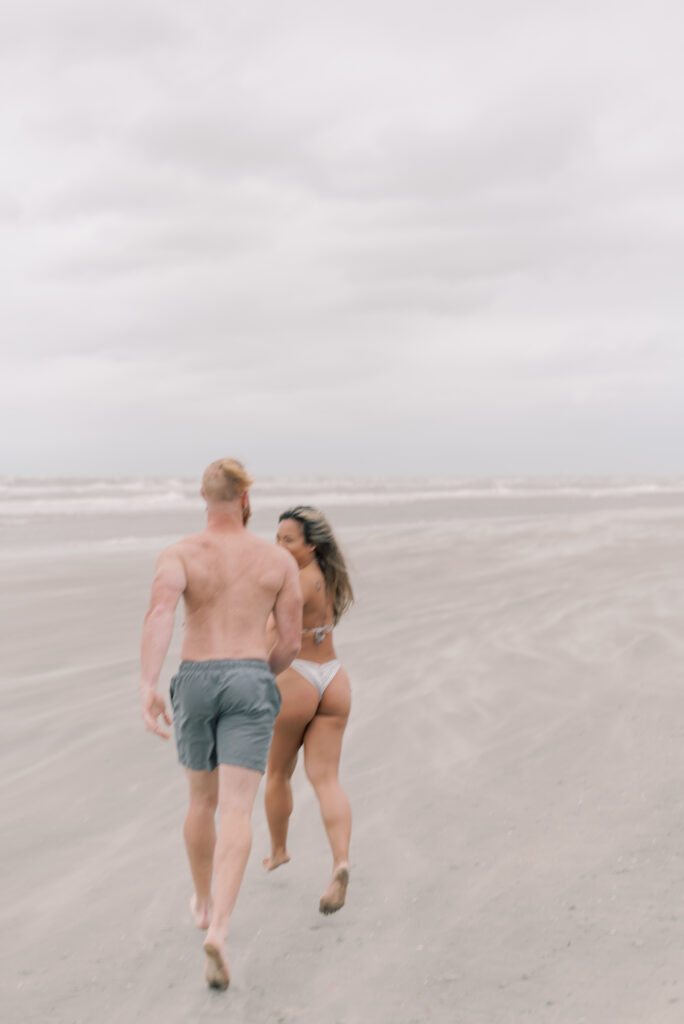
(224, 695)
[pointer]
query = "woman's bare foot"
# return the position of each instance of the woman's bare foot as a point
(334, 896)
(201, 912)
(216, 971)
(276, 859)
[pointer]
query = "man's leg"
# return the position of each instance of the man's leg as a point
(236, 794)
(199, 832)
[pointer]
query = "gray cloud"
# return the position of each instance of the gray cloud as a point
(79, 30)
(388, 220)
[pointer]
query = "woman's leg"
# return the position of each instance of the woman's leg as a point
(322, 749)
(299, 704)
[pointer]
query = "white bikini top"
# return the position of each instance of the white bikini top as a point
(319, 632)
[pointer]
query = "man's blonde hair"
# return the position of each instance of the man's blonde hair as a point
(225, 480)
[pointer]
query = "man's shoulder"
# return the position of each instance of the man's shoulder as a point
(181, 547)
(275, 557)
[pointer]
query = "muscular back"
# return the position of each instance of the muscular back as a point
(233, 581)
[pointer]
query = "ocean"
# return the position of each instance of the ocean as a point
(58, 516)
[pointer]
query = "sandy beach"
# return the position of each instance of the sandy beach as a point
(514, 763)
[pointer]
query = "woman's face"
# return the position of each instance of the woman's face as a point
(291, 537)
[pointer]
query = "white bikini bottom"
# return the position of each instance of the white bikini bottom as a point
(319, 675)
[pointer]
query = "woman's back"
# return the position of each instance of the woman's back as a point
(317, 620)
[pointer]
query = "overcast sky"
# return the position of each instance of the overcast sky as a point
(359, 236)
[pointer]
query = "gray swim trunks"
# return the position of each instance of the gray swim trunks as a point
(223, 712)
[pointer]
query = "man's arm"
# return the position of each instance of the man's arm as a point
(167, 588)
(271, 632)
(287, 615)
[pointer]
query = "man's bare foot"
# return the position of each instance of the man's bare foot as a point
(201, 912)
(334, 896)
(275, 860)
(216, 972)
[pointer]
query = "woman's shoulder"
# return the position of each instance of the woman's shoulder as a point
(312, 582)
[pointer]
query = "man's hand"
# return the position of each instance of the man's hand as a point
(153, 706)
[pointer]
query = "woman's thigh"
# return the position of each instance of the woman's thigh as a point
(323, 738)
(299, 706)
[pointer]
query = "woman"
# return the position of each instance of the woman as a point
(316, 699)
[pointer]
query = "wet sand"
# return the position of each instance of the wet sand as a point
(514, 762)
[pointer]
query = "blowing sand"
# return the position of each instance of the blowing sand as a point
(514, 762)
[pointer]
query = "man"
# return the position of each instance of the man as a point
(224, 695)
